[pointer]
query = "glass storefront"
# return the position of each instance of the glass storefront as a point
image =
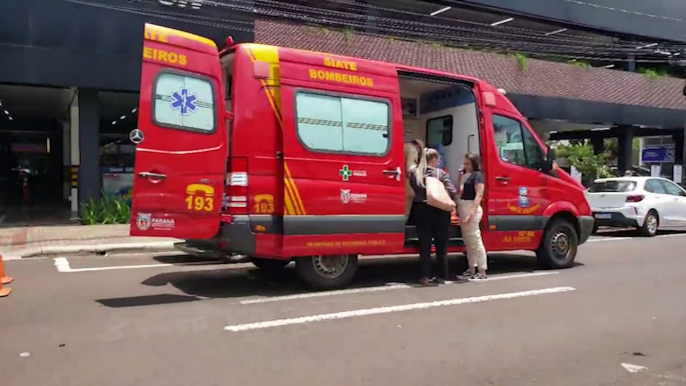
(119, 113)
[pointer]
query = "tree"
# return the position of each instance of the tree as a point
(581, 156)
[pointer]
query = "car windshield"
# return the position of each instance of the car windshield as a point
(612, 186)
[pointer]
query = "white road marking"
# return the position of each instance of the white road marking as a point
(609, 238)
(62, 265)
(633, 368)
(387, 287)
(390, 309)
(521, 275)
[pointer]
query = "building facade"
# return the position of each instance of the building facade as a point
(70, 72)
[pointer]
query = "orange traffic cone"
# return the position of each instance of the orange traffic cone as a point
(4, 291)
(4, 279)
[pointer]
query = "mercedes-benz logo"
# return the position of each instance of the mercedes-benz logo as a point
(136, 136)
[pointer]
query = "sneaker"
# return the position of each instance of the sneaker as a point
(479, 278)
(466, 275)
(437, 280)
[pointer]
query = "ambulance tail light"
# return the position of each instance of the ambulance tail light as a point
(237, 192)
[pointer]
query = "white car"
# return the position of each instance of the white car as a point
(645, 203)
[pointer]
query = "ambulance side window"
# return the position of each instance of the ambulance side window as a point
(439, 131)
(183, 101)
(336, 124)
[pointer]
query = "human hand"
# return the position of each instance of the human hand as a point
(454, 219)
(468, 218)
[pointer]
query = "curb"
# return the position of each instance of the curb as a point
(95, 248)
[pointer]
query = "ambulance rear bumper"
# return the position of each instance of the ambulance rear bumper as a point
(237, 236)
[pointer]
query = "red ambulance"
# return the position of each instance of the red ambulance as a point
(283, 154)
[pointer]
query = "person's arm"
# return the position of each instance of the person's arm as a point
(479, 188)
(449, 186)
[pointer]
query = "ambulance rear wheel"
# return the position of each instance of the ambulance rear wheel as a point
(269, 265)
(326, 272)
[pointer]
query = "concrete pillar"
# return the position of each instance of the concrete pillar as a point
(678, 137)
(90, 178)
(631, 64)
(73, 146)
(370, 21)
(66, 159)
(625, 138)
(598, 145)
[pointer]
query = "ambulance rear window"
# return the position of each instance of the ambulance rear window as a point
(336, 124)
(184, 101)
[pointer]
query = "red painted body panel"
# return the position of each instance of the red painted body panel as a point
(291, 184)
(365, 244)
(186, 165)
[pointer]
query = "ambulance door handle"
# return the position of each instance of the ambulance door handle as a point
(397, 173)
(154, 176)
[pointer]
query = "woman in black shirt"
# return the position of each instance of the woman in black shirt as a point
(470, 212)
(433, 224)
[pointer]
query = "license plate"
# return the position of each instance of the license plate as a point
(603, 216)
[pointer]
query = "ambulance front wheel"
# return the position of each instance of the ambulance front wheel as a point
(326, 272)
(559, 245)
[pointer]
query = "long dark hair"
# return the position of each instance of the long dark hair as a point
(475, 160)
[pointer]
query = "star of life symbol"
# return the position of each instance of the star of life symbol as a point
(184, 101)
(345, 173)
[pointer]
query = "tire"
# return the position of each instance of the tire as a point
(270, 265)
(559, 245)
(595, 229)
(326, 272)
(650, 224)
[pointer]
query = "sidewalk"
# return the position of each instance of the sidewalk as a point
(17, 243)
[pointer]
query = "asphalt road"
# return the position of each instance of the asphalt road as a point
(168, 320)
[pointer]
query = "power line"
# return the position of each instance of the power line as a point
(404, 29)
(423, 29)
(624, 11)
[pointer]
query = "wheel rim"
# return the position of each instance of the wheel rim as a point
(652, 224)
(561, 245)
(330, 266)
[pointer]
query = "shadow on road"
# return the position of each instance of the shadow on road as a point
(224, 282)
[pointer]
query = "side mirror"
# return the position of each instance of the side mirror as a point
(549, 160)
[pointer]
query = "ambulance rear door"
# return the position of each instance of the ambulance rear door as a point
(181, 138)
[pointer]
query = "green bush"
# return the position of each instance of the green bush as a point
(590, 165)
(107, 210)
